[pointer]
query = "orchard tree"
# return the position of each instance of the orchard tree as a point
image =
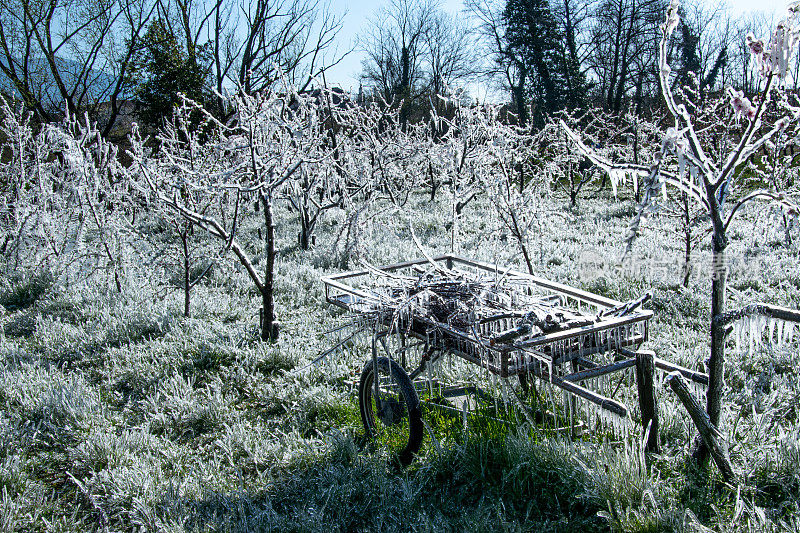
(64, 205)
(255, 157)
(684, 163)
(477, 154)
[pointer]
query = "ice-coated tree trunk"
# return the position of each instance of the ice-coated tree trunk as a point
(305, 228)
(687, 241)
(716, 361)
(187, 286)
(269, 327)
(405, 87)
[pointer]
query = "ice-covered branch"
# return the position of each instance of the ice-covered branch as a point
(758, 309)
(682, 120)
(780, 198)
(618, 171)
(738, 155)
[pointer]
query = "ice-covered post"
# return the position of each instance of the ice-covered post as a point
(712, 438)
(645, 379)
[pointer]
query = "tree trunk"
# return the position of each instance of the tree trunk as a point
(187, 287)
(624, 63)
(573, 188)
(687, 241)
(269, 327)
(518, 93)
(305, 229)
(716, 362)
(405, 88)
(517, 232)
(433, 181)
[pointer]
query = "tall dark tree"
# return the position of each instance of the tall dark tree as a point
(624, 35)
(395, 48)
(689, 60)
(504, 64)
(164, 70)
(535, 38)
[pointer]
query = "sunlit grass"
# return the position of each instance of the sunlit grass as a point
(115, 406)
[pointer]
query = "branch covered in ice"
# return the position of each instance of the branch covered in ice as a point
(758, 309)
(618, 172)
(784, 201)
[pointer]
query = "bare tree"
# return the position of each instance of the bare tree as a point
(286, 38)
(713, 30)
(504, 64)
(623, 31)
(69, 53)
(450, 54)
(708, 176)
(274, 137)
(395, 49)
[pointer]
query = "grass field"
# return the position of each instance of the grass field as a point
(118, 414)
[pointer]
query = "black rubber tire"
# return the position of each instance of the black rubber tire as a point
(408, 405)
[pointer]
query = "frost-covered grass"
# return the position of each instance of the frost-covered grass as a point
(120, 414)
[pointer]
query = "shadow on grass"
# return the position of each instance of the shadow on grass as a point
(476, 486)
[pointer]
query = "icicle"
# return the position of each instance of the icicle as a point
(569, 410)
(737, 336)
(697, 389)
(781, 340)
(430, 380)
(771, 330)
(503, 392)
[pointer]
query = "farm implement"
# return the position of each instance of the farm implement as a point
(496, 321)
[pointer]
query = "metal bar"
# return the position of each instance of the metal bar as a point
(661, 364)
(635, 340)
(576, 332)
(605, 403)
(600, 370)
(586, 363)
(350, 290)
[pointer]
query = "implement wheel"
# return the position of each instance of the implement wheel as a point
(391, 415)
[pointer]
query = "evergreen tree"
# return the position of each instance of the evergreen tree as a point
(534, 38)
(162, 70)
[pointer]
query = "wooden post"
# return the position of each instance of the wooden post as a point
(645, 379)
(714, 440)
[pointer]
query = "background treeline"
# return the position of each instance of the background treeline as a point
(120, 59)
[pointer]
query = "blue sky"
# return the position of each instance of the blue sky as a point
(359, 12)
(357, 18)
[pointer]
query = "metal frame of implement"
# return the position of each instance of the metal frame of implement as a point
(544, 356)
